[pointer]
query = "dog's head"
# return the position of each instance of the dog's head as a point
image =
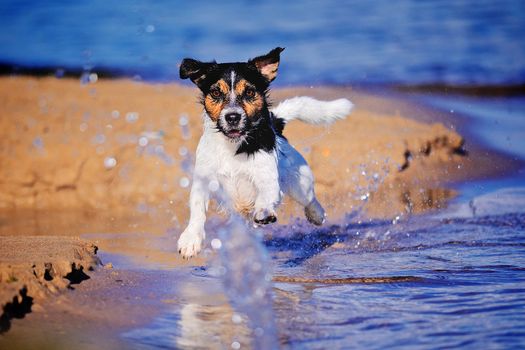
(234, 94)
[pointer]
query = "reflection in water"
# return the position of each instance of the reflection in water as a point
(202, 325)
(195, 325)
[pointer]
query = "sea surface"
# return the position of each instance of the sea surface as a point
(427, 283)
(327, 42)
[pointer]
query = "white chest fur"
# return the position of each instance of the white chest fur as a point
(248, 180)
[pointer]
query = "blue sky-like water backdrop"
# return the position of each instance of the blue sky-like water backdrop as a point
(329, 42)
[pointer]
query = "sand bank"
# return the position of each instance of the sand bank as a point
(35, 267)
(120, 145)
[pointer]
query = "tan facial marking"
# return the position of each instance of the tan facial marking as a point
(252, 106)
(213, 106)
(223, 86)
(240, 87)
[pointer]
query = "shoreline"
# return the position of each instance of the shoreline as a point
(509, 89)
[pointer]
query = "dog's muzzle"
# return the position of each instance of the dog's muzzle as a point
(232, 122)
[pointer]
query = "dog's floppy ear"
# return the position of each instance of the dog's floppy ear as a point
(268, 64)
(195, 70)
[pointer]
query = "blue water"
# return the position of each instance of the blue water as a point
(341, 42)
(465, 287)
(496, 122)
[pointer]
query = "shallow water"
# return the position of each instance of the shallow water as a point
(465, 285)
(409, 41)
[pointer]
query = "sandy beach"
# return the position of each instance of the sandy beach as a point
(115, 156)
(116, 145)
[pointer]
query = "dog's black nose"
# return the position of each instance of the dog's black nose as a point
(232, 118)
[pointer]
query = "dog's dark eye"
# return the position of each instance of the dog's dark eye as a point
(215, 93)
(250, 93)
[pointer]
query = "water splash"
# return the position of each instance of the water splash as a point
(184, 126)
(247, 279)
(187, 158)
(132, 117)
(151, 143)
(38, 143)
(366, 181)
(110, 162)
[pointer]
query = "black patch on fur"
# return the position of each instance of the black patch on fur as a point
(260, 138)
(264, 136)
(278, 125)
(216, 71)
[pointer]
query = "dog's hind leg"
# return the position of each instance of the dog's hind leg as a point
(297, 181)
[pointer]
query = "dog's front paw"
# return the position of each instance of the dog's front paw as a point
(264, 217)
(190, 243)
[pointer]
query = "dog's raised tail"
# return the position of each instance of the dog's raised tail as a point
(312, 111)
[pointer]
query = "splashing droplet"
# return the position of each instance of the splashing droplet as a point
(150, 28)
(216, 243)
(132, 117)
(184, 125)
(84, 78)
(110, 162)
(99, 139)
(236, 318)
(143, 141)
(184, 182)
(183, 151)
(213, 186)
(38, 143)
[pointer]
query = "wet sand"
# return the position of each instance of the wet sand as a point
(34, 268)
(106, 159)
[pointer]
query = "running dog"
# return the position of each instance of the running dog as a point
(243, 149)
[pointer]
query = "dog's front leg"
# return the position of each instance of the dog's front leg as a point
(266, 181)
(190, 241)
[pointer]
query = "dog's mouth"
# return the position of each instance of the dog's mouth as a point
(233, 133)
